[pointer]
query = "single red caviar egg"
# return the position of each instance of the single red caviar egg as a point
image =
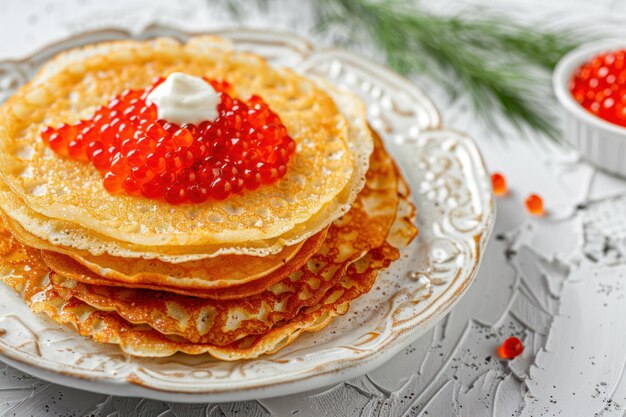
(599, 85)
(511, 348)
(534, 205)
(498, 182)
(246, 146)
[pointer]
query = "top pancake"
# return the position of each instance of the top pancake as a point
(65, 237)
(318, 188)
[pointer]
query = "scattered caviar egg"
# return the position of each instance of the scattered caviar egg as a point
(498, 183)
(511, 348)
(534, 205)
(599, 85)
(137, 153)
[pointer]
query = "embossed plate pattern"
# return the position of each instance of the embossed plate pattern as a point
(450, 188)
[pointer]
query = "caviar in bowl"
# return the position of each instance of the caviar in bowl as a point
(590, 84)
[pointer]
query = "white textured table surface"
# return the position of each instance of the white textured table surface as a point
(559, 282)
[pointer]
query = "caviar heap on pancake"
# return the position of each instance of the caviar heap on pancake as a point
(246, 146)
(599, 85)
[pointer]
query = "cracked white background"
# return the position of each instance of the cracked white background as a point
(558, 283)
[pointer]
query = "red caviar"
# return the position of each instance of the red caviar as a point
(498, 182)
(534, 205)
(245, 147)
(599, 85)
(511, 348)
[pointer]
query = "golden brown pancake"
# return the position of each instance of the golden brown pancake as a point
(66, 237)
(322, 180)
(237, 285)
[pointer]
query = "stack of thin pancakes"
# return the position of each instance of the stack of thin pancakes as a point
(235, 278)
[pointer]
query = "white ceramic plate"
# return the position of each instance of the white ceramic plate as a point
(451, 190)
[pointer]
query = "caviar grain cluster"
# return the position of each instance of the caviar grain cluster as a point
(138, 154)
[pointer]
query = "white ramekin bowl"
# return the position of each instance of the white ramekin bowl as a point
(600, 142)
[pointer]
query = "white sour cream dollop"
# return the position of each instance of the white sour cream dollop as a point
(183, 98)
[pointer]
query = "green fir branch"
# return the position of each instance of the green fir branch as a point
(502, 65)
